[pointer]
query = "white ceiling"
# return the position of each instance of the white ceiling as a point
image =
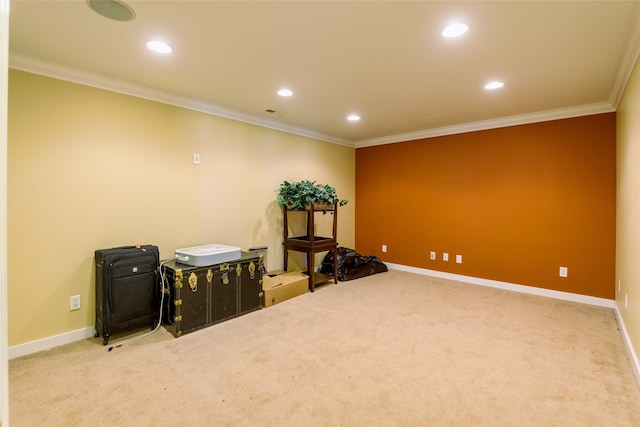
(384, 60)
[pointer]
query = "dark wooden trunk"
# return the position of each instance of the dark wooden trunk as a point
(202, 296)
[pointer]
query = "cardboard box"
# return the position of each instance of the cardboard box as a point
(275, 272)
(283, 286)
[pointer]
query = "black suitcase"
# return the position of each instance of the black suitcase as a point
(127, 289)
(203, 296)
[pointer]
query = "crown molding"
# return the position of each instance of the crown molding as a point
(49, 69)
(629, 59)
(542, 116)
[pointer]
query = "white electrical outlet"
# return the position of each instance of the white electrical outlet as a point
(564, 271)
(384, 248)
(445, 256)
(196, 158)
(626, 300)
(74, 302)
(458, 259)
(432, 255)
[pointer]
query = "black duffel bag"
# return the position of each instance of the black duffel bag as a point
(352, 265)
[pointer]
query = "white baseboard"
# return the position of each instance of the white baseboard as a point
(601, 302)
(50, 342)
(627, 341)
(567, 296)
(88, 332)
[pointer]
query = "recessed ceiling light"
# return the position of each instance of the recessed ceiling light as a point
(454, 29)
(159, 46)
(493, 85)
(353, 118)
(112, 9)
(285, 92)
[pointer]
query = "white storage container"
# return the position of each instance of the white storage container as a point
(211, 254)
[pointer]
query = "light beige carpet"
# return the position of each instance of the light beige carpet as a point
(394, 349)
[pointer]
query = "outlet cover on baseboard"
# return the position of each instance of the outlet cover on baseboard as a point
(564, 271)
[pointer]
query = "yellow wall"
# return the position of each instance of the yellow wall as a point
(628, 208)
(92, 169)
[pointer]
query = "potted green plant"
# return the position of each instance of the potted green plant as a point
(299, 195)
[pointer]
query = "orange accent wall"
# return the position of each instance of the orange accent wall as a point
(517, 203)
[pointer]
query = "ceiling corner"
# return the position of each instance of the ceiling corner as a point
(628, 61)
